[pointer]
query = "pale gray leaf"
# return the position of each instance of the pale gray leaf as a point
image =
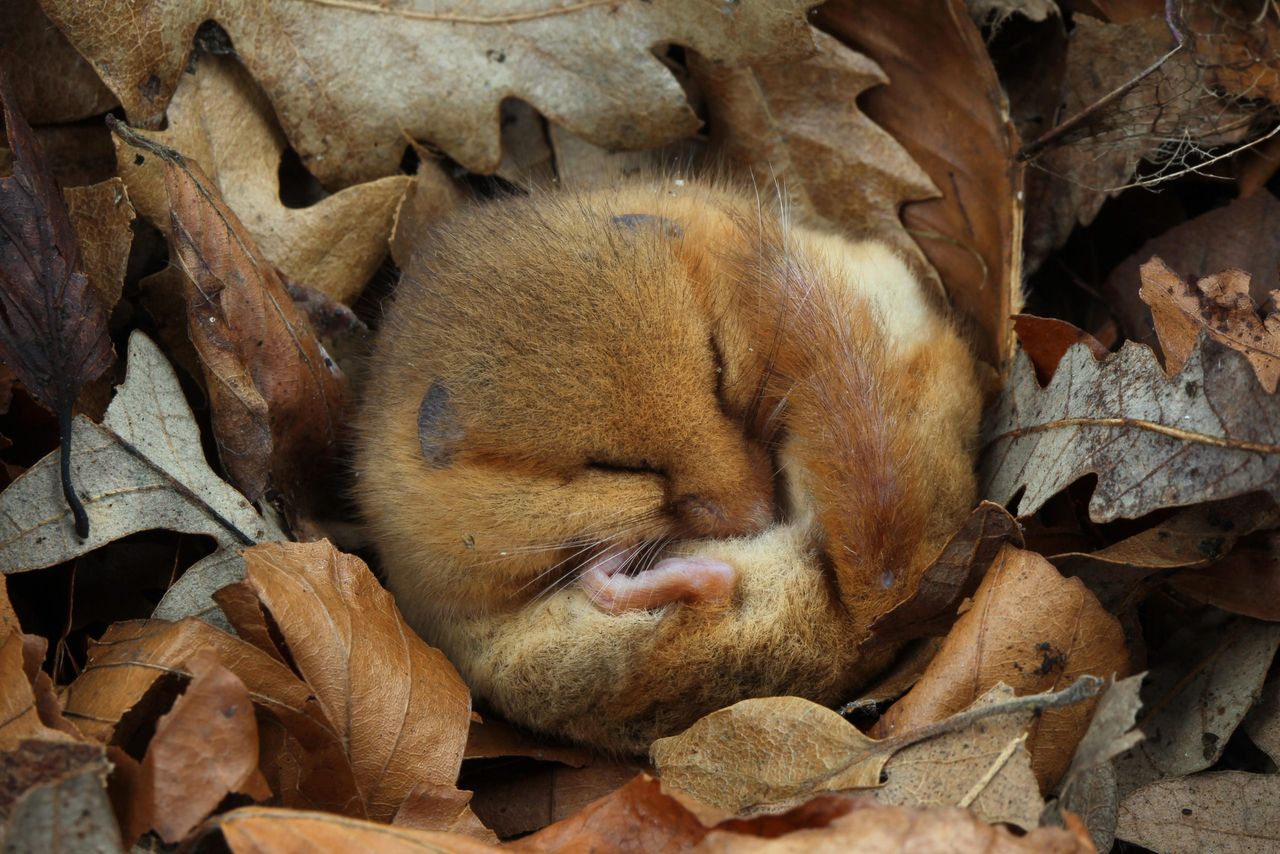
(1229, 812)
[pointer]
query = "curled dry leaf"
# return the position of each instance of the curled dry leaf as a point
(796, 128)
(1046, 339)
(1153, 441)
(143, 468)
(276, 395)
(1198, 692)
(220, 119)
(945, 106)
(953, 576)
(1032, 629)
(1219, 305)
(204, 748)
(401, 706)
(20, 717)
(54, 322)
(1229, 811)
(346, 109)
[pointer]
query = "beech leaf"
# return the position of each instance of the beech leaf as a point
(1153, 441)
(1224, 811)
(440, 74)
(54, 323)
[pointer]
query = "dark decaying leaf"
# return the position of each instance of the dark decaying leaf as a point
(54, 323)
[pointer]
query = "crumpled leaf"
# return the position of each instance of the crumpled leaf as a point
(763, 754)
(220, 118)
(954, 574)
(53, 798)
(1229, 811)
(143, 468)
(276, 395)
(439, 74)
(52, 82)
(1219, 305)
(1153, 441)
(796, 127)
(1032, 629)
(54, 323)
(1197, 693)
(402, 708)
(945, 106)
(204, 748)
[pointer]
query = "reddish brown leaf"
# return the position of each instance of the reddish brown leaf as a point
(431, 806)
(1245, 582)
(1046, 339)
(401, 706)
(19, 715)
(54, 323)
(276, 394)
(52, 82)
(945, 106)
(515, 799)
(257, 830)
(492, 737)
(1032, 629)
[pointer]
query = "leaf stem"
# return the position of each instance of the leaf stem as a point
(68, 489)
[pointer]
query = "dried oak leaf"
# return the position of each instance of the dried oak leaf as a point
(142, 468)
(52, 82)
(765, 754)
(401, 706)
(276, 395)
(1153, 441)
(944, 105)
(1198, 692)
(303, 757)
(796, 127)
(219, 118)
(53, 798)
(1228, 811)
(438, 74)
(54, 323)
(1220, 306)
(1046, 340)
(204, 748)
(1032, 629)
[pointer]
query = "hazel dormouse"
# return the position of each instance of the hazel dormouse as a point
(628, 456)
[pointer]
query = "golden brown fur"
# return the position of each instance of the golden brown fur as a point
(663, 369)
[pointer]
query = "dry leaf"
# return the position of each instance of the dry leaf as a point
(204, 748)
(53, 798)
(102, 217)
(796, 128)
(20, 718)
(581, 165)
(427, 199)
(906, 670)
(1227, 811)
(1244, 234)
(54, 323)
(491, 737)
(220, 118)
(1046, 339)
(953, 576)
(52, 82)
(764, 754)
(142, 469)
(945, 106)
(276, 396)
(1246, 582)
(1030, 628)
(516, 799)
(402, 708)
(1196, 694)
(1153, 441)
(260, 830)
(1263, 723)
(432, 806)
(1218, 305)
(347, 109)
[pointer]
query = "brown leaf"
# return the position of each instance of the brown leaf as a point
(204, 748)
(51, 81)
(427, 199)
(1153, 441)
(1198, 691)
(944, 105)
(19, 715)
(432, 806)
(102, 217)
(276, 395)
(54, 323)
(582, 165)
(888, 830)
(517, 799)
(906, 670)
(1046, 339)
(953, 576)
(589, 67)
(1032, 629)
(491, 737)
(796, 127)
(219, 118)
(1218, 305)
(1246, 582)
(402, 708)
(1228, 811)
(261, 830)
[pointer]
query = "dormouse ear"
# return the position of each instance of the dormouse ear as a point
(636, 222)
(438, 428)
